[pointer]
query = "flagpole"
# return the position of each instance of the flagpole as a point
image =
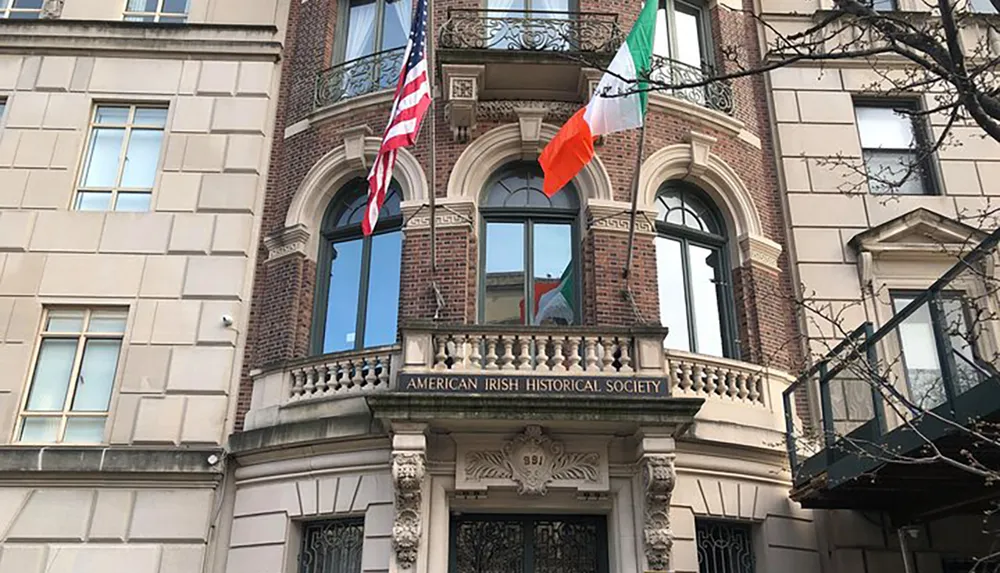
(432, 79)
(635, 203)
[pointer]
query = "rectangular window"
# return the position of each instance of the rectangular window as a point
(73, 377)
(165, 11)
(891, 142)
(919, 345)
(21, 9)
(724, 547)
(983, 6)
(882, 5)
(122, 158)
(332, 546)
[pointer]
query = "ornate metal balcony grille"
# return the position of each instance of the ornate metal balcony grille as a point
(724, 547)
(531, 30)
(379, 71)
(716, 95)
(332, 546)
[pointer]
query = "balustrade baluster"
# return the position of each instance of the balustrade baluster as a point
(383, 373)
(741, 386)
(608, 356)
(591, 354)
(756, 385)
(558, 359)
(542, 349)
(356, 378)
(491, 353)
(624, 358)
(685, 381)
(441, 357)
(370, 379)
(710, 381)
(298, 384)
(507, 360)
(322, 387)
(310, 386)
(475, 359)
(524, 353)
(573, 361)
(697, 378)
(337, 377)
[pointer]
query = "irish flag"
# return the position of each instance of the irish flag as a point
(573, 147)
(555, 305)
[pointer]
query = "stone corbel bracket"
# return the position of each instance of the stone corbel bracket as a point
(701, 148)
(760, 251)
(409, 467)
(289, 241)
(658, 479)
(354, 146)
(462, 85)
(530, 122)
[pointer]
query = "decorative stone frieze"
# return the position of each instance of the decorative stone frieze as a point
(408, 470)
(761, 251)
(615, 216)
(658, 479)
(445, 215)
(531, 462)
(506, 110)
(289, 241)
(462, 84)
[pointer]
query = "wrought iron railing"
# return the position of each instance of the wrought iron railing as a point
(925, 365)
(531, 30)
(379, 71)
(716, 95)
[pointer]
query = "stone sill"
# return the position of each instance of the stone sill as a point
(164, 461)
(100, 37)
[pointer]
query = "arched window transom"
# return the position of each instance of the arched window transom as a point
(357, 290)
(693, 275)
(527, 234)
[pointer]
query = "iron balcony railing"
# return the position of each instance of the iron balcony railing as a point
(530, 30)
(376, 72)
(926, 365)
(716, 95)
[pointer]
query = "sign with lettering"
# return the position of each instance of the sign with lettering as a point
(500, 384)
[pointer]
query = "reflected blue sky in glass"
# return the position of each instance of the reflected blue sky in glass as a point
(705, 299)
(553, 249)
(342, 297)
(504, 247)
(504, 273)
(383, 289)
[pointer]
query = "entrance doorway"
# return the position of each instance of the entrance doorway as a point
(501, 543)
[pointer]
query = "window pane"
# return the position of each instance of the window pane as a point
(52, 374)
(65, 321)
(673, 306)
(34, 15)
(383, 289)
(960, 335)
(140, 18)
(97, 373)
(982, 6)
(32, 4)
(141, 5)
(891, 172)
(93, 201)
(111, 115)
(133, 202)
(40, 430)
(923, 371)
(175, 6)
(882, 127)
(107, 323)
(705, 271)
(360, 30)
(554, 284)
(84, 430)
(141, 159)
(395, 23)
(342, 299)
(102, 162)
(151, 116)
(3, 4)
(688, 36)
(504, 292)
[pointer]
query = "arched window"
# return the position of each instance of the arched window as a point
(357, 290)
(527, 234)
(695, 285)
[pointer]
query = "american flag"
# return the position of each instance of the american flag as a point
(413, 97)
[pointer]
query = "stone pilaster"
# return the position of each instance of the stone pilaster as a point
(409, 466)
(656, 465)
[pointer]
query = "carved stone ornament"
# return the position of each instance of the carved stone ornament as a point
(658, 482)
(52, 9)
(533, 461)
(408, 469)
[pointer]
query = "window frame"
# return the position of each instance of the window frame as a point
(719, 243)
(921, 134)
(747, 527)
(529, 216)
(130, 126)
(81, 337)
(157, 14)
(343, 25)
(329, 235)
(303, 533)
(6, 11)
(705, 44)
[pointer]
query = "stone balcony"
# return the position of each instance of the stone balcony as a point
(741, 401)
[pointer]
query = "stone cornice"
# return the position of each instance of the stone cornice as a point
(289, 241)
(760, 251)
(137, 39)
(114, 463)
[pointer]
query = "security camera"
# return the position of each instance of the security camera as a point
(227, 320)
(212, 460)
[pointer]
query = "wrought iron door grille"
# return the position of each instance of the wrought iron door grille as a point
(332, 546)
(724, 547)
(528, 544)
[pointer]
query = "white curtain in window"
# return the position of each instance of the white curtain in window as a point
(401, 9)
(360, 30)
(500, 37)
(551, 5)
(140, 6)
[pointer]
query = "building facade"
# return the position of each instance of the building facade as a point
(134, 142)
(501, 393)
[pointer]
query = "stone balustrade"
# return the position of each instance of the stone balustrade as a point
(716, 378)
(341, 374)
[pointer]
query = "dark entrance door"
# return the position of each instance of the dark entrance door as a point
(498, 543)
